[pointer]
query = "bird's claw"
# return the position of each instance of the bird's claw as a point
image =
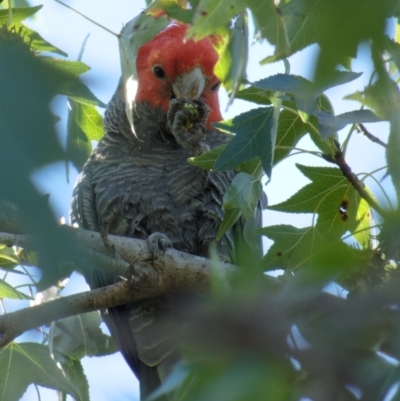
(138, 273)
(158, 244)
(186, 119)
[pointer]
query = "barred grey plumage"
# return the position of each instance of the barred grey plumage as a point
(138, 186)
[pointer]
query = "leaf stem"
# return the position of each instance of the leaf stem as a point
(10, 15)
(370, 175)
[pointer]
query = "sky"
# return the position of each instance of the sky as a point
(110, 378)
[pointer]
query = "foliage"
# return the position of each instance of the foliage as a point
(258, 337)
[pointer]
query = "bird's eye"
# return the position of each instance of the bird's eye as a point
(216, 86)
(158, 71)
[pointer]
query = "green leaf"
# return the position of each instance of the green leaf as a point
(330, 196)
(85, 124)
(326, 146)
(21, 3)
(31, 37)
(9, 292)
(305, 93)
(300, 24)
(393, 48)
(382, 97)
(79, 336)
(231, 216)
(75, 374)
(8, 258)
(291, 128)
(254, 95)
(243, 193)
(26, 363)
(175, 11)
(248, 377)
(317, 21)
(18, 14)
(291, 248)
(254, 137)
(252, 167)
(78, 91)
(79, 147)
(211, 15)
(36, 42)
(392, 154)
(34, 138)
(133, 35)
(362, 231)
(236, 55)
(307, 247)
(89, 120)
(207, 160)
(270, 25)
(75, 68)
(330, 124)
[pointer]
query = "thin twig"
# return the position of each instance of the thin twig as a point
(89, 19)
(361, 128)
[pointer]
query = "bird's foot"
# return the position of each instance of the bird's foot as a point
(138, 273)
(186, 119)
(158, 244)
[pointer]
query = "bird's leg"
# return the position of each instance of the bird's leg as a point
(106, 242)
(186, 119)
(158, 244)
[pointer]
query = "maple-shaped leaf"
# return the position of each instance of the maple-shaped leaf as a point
(74, 372)
(330, 124)
(85, 124)
(305, 93)
(8, 257)
(307, 247)
(79, 336)
(291, 127)
(337, 206)
(292, 248)
(255, 134)
(22, 364)
(254, 95)
(207, 160)
(134, 35)
(243, 193)
(36, 42)
(211, 15)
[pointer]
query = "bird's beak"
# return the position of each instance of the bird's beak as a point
(190, 85)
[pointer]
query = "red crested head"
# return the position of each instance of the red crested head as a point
(169, 64)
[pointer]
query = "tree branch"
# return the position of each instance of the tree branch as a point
(145, 278)
(361, 128)
(340, 161)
